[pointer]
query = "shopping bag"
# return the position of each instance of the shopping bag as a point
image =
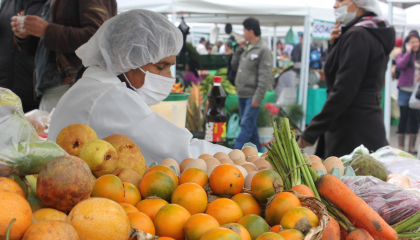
(414, 103)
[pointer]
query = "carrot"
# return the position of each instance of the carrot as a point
(343, 233)
(335, 191)
(359, 234)
(360, 225)
(303, 190)
(332, 232)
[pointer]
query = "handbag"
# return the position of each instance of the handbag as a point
(414, 103)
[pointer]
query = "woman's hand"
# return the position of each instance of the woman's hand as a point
(303, 143)
(17, 29)
(335, 33)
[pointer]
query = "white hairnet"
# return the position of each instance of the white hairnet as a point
(131, 40)
(370, 6)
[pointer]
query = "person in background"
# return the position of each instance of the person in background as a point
(415, 32)
(222, 49)
(252, 63)
(279, 49)
(397, 50)
(287, 77)
(53, 40)
(216, 47)
(16, 67)
(409, 64)
(231, 74)
(192, 68)
(228, 47)
(287, 51)
(355, 72)
(297, 49)
(202, 47)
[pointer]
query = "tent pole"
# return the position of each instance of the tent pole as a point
(275, 45)
(304, 70)
(388, 80)
(269, 38)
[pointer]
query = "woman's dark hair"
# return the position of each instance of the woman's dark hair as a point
(254, 25)
(194, 66)
(407, 39)
(79, 73)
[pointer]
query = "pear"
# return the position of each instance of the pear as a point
(73, 137)
(100, 156)
(128, 175)
(129, 154)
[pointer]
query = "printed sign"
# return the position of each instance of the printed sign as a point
(322, 29)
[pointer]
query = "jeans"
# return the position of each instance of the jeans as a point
(249, 129)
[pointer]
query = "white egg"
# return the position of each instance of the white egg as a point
(249, 178)
(197, 163)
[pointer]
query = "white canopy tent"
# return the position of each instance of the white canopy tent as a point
(413, 17)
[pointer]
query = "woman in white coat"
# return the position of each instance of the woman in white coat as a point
(129, 60)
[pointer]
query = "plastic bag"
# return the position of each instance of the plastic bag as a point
(40, 120)
(357, 152)
(399, 180)
(21, 152)
(391, 202)
(234, 128)
(414, 103)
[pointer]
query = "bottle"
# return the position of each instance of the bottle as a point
(216, 115)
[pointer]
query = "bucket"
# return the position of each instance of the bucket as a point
(266, 136)
(173, 108)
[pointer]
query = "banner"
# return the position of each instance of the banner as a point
(322, 29)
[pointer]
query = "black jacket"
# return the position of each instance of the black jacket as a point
(355, 73)
(16, 68)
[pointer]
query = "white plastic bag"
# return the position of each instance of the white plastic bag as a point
(414, 103)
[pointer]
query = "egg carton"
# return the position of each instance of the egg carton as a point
(348, 172)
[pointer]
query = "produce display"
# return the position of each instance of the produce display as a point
(82, 187)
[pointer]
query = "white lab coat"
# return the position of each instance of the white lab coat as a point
(103, 102)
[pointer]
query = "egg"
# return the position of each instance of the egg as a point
(171, 162)
(249, 151)
(334, 162)
(248, 179)
(184, 164)
(146, 167)
(249, 167)
(237, 154)
(239, 161)
(252, 159)
(263, 167)
(211, 161)
(261, 162)
(226, 161)
(205, 156)
(315, 158)
(210, 169)
(319, 166)
(220, 155)
(197, 163)
(243, 171)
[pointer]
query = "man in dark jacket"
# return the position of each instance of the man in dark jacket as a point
(54, 38)
(16, 67)
(355, 72)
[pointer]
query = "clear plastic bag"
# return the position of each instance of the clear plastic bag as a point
(40, 120)
(391, 202)
(357, 152)
(21, 152)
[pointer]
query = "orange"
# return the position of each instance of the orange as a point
(157, 183)
(166, 170)
(255, 225)
(294, 215)
(142, 222)
(128, 208)
(291, 234)
(224, 211)
(199, 224)
(51, 230)
(194, 175)
(49, 214)
(151, 206)
(99, 219)
(170, 221)
(244, 234)
(191, 196)
(132, 194)
(303, 190)
(220, 233)
(282, 203)
(275, 229)
(270, 236)
(14, 206)
(248, 203)
(226, 179)
(262, 185)
(11, 186)
(165, 238)
(110, 187)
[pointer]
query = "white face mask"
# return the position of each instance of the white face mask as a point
(155, 88)
(342, 16)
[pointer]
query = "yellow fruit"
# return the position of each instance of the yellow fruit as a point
(73, 137)
(101, 157)
(49, 214)
(51, 230)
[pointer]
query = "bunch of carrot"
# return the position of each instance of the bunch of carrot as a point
(342, 204)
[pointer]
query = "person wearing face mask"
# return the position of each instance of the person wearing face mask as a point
(359, 50)
(128, 64)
